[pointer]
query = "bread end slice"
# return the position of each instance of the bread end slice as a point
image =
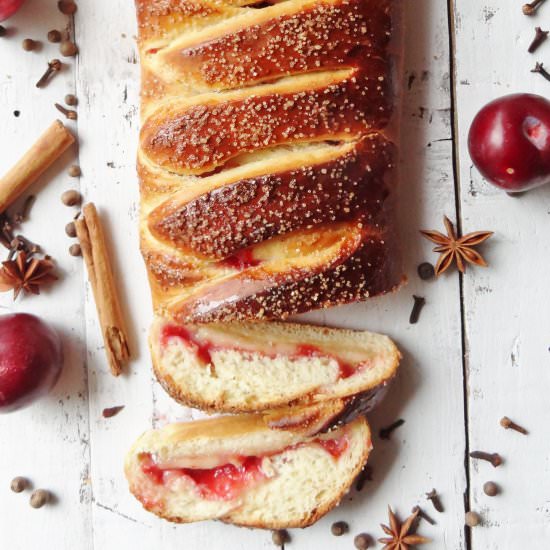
(301, 477)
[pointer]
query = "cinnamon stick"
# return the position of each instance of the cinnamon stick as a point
(92, 241)
(47, 149)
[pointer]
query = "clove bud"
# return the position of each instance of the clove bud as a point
(54, 66)
(507, 424)
(540, 37)
(71, 115)
(494, 458)
(435, 500)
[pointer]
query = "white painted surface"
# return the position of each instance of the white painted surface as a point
(64, 444)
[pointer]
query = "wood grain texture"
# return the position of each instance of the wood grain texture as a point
(506, 307)
(64, 444)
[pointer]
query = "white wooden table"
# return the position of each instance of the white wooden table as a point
(480, 350)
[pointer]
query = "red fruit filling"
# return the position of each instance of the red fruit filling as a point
(204, 348)
(228, 481)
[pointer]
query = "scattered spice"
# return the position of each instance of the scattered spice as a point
(71, 115)
(39, 498)
(280, 537)
(435, 500)
(68, 7)
(540, 37)
(71, 197)
(68, 48)
(26, 274)
(112, 411)
(362, 541)
(455, 249)
(19, 484)
(401, 535)
(419, 303)
(54, 36)
(494, 458)
(339, 528)
(539, 68)
(71, 100)
(74, 171)
(531, 8)
(29, 44)
(426, 271)
(22, 243)
(23, 214)
(70, 229)
(385, 433)
(472, 519)
(3, 31)
(491, 489)
(16, 113)
(75, 250)
(54, 66)
(422, 515)
(364, 476)
(507, 424)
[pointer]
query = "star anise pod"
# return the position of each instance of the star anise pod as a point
(456, 249)
(25, 274)
(401, 536)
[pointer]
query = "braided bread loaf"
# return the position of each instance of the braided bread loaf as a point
(265, 159)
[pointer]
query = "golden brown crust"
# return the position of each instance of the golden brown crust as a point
(226, 88)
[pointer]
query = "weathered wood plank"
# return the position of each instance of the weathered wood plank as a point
(507, 307)
(47, 442)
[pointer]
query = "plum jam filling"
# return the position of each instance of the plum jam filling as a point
(228, 481)
(203, 349)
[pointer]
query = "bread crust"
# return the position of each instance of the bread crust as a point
(318, 83)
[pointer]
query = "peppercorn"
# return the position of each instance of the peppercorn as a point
(19, 484)
(71, 197)
(339, 528)
(71, 100)
(29, 44)
(70, 229)
(280, 537)
(472, 519)
(362, 541)
(54, 36)
(491, 489)
(74, 171)
(426, 271)
(68, 7)
(75, 250)
(68, 48)
(39, 498)
(3, 31)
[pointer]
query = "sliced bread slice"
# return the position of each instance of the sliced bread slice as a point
(245, 367)
(273, 470)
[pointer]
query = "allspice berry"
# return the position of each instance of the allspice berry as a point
(71, 100)
(491, 489)
(75, 250)
(68, 7)
(3, 31)
(71, 197)
(19, 484)
(280, 537)
(39, 498)
(54, 36)
(472, 519)
(29, 44)
(362, 541)
(74, 171)
(339, 528)
(70, 229)
(68, 48)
